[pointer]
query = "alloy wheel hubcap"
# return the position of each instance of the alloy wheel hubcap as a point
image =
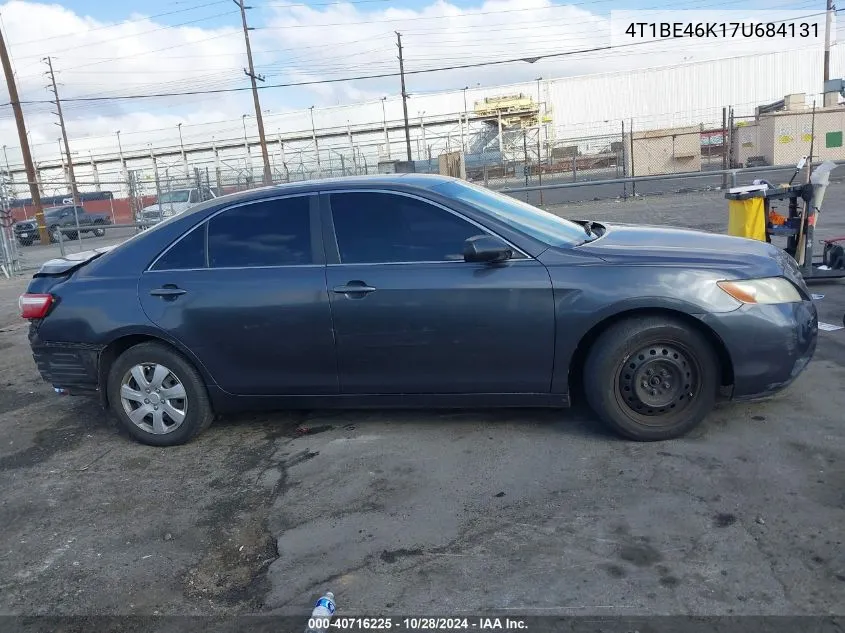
(657, 380)
(154, 398)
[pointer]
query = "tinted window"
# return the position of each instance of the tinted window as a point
(189, 252)
(383, 227)
(269, 233)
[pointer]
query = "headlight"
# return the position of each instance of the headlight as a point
(763, 291)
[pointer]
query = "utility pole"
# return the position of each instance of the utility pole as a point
(27, 157)
(73, 190)
(314, 138)
(182, 150)
(404, 95)
(384, 122)
(827, 22)
(464, 120)
(268, 174)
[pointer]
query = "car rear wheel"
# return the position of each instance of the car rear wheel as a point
(99, 232)
(158, 396)
(651, 378)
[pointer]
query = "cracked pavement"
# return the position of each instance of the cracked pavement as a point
(516, 512)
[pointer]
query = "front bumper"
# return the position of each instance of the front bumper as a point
(769, 345)
(26, 233)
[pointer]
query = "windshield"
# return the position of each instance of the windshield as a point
(55, 211)
(180, 195)
(539, 224)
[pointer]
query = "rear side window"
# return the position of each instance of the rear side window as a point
(187, 253)
(267, 233)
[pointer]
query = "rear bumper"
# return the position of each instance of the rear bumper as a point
(71, 367)
(769, 345)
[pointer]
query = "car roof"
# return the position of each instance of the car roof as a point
(392, 181)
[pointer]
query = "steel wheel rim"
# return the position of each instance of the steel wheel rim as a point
(57, 235)
(658, 380)
(154, 398)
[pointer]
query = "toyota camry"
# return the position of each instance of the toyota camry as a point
(415, 291)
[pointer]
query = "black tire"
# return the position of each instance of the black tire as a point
(198, 411)
(99, 232)
(52, 232)
(668, 402)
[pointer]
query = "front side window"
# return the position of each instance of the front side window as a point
(373, 227)
(542, 225)
(266, 233)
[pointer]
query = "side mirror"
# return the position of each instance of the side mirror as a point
(801, 163)
(486, 249)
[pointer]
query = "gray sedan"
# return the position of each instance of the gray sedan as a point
(418, 291)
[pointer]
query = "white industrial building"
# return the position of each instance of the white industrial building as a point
(586, 112)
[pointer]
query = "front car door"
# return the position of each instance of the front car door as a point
(246, 292)
(411, 316)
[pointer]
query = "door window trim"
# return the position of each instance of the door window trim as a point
(328, 229)
(318, 257)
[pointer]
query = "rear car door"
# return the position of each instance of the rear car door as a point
(411, 316)
(246, 292)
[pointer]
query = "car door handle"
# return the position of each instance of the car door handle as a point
(354, 287)
(171, 291)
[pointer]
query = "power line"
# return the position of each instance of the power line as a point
(531, 59)
(162, 28)
(433, 17)
(321, 4)
(121, 23)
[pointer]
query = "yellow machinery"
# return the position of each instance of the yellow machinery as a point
(516, 110)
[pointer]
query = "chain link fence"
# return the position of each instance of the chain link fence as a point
(502, 152)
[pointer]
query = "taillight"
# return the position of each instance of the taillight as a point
(34, 306)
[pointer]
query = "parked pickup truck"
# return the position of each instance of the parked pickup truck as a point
(59, 220)
(174, 202)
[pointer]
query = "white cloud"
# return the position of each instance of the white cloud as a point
(290, 45)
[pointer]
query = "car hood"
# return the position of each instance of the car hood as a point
(639, 244)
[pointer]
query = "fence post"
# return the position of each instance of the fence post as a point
(158, 195)
(624, 164)
(724, 146)
(525, 155)
(633, 183)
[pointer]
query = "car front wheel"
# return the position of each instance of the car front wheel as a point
(158, 397)
(651, 378)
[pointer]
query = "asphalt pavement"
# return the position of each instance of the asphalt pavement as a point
(431, 512)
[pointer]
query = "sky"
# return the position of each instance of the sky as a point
(104, 50)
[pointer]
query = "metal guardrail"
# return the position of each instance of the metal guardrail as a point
(732, 173)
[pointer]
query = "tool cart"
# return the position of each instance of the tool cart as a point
(757, 212)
